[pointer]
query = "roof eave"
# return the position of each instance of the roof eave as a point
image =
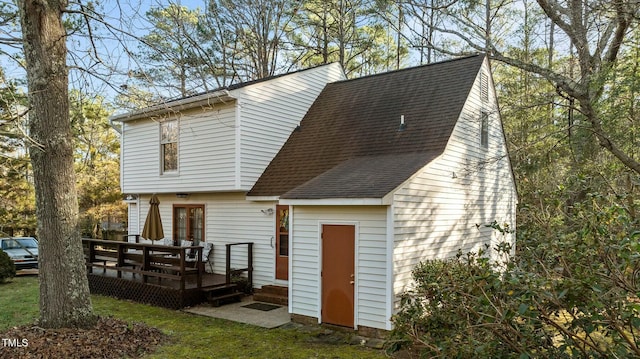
(204, 100)
(262, 198)
(336, 201)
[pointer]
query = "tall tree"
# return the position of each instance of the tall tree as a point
(345, 31)
(219, 39)
(173, 59)
(258, 29)
(97, 164)
(9, 36)
(17, 210)
(598, 30)
(64, 289)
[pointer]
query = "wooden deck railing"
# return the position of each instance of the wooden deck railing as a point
(249, 268)
(150, 261)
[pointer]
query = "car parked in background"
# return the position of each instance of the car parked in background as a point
(23, 251)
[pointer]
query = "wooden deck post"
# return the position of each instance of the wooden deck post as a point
(120, 263)
(146, 263)
(200, 266)
(183, 253)
(228, 264)
(250, 265)
(92, 256)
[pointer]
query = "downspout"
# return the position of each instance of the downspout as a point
(238, 145)
(119, 130)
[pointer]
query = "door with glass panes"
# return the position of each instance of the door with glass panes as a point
(282, 242)
(188, 223)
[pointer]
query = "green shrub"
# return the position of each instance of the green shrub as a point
(241, 282)
(7, 268)
(465, 308)
(573, 295)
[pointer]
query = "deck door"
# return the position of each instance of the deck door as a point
(188, 223)
(282, 242)
(338, 275)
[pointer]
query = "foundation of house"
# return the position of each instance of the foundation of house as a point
(272, 294)
(362, 331)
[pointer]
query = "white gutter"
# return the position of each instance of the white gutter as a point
(117, 128)
(336, 202)
(204, 100)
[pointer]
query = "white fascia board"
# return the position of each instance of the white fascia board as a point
(336, 202)
(262, 198)
(204, 100)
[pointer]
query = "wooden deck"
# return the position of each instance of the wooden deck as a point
(167, 276)
(208, 279)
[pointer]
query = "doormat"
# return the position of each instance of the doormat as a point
(261, 306)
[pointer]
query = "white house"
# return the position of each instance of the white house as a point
(201, 155)
(343, 185)
(386, 171)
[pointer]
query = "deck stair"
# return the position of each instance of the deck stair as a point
(222, 294)
(272, 294)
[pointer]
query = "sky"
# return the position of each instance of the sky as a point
(116, 43)
(110, 47)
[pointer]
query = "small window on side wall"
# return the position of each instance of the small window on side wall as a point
(484, 129)
(169, 146)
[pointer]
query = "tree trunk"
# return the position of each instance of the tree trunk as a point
(64, 289)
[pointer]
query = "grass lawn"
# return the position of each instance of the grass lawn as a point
(192, 336)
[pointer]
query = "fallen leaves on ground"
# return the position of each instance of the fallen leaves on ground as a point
(110, 338)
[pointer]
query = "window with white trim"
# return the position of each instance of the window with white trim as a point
(169, 146)
(484, 129)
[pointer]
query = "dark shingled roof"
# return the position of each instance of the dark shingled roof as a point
(349, 144)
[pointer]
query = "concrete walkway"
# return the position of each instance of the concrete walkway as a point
(238, 313)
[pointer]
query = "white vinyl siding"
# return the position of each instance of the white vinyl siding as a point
(445, 207)
(229, 218)
(271, 110)
(206, 153)
(224, 146)
(133, 219)
(140, 155)
(371, 249)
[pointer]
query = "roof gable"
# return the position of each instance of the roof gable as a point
(350, 144)
(219, 95)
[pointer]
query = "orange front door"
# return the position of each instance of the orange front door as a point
(338, 275)
(282, 242)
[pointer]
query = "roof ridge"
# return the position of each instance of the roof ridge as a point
(238, 85)
(392, 72)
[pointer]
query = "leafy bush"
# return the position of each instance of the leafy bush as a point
(7, 268)
(241, 282)
(574, 295)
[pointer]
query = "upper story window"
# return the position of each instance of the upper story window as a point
(169, 146)
(484, 129)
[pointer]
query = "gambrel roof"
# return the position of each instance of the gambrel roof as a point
(351, 144)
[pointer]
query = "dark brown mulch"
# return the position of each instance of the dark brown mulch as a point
(110, 338)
